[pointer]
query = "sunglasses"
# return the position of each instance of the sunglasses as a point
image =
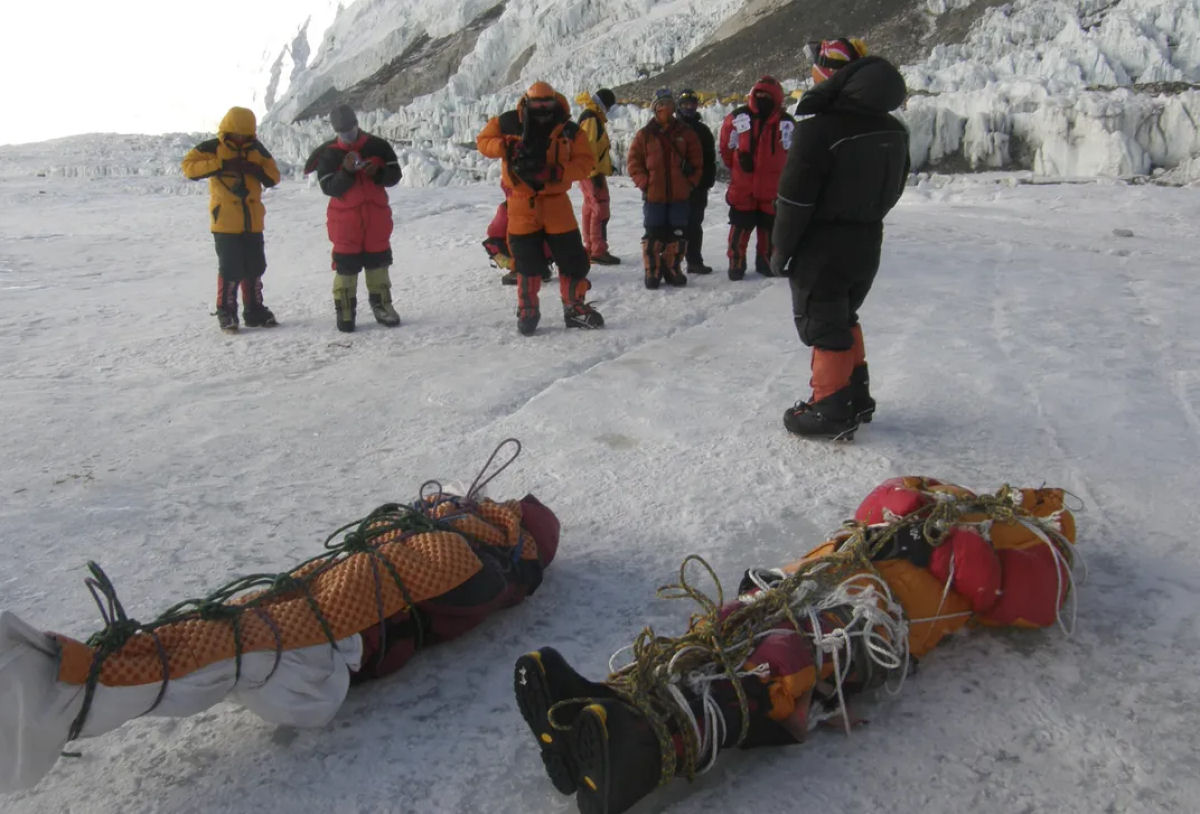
(542, 103)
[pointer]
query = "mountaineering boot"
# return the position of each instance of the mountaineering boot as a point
(576, 312)
(509, 278)
(582, 315)
(832, 417)
(605, 259)
(227, 294)
(527, 320)
(379, 295)
(860, 394)
(259, 316)
(739, 242)
(651, 252)
(254, 313)
(345, 303)
(672, 262)
(346, 308)
(382, 308)
(541, 679)
(528, 312)
(698, 267)
(227, 319)
(616, 755)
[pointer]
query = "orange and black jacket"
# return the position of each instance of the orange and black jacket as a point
(569, 156)
(234, 188)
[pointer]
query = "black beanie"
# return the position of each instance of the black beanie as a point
(606, 97)
(342, 119)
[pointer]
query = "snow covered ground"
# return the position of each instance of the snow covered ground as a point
(1015, 336)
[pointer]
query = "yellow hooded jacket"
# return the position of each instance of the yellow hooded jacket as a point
(236, 173)
(592, 121)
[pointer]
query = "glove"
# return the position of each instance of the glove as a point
(778, 265)
(528, 161)
(352, 162)
(687, 168)
(746, 162)
(370, 168)
(238, 165)
(741, 122)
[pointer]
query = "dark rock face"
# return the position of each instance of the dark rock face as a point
(897, 31)
(425, 66)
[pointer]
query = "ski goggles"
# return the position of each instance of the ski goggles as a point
(541, 104)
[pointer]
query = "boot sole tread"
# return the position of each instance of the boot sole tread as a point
(534, 700)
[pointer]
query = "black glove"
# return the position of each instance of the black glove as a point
(527, 163)
(687, 168)
(779, 265)
(746, 161)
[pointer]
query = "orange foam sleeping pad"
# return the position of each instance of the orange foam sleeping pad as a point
(351, 595)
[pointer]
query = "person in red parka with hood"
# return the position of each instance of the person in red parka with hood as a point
(353, 169)
(543, 154)
(754, 144)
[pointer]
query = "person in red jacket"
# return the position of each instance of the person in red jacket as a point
(665, 162)
(543, 154)
(754, 143)
(354, 169)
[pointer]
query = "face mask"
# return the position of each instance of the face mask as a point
(688, 111)
(348, 137)
(765, 104)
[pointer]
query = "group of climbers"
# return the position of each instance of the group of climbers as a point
(814, 191)
(353, 169)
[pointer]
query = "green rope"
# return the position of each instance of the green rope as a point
(362, 536)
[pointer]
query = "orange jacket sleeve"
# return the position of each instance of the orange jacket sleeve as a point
(491, 141)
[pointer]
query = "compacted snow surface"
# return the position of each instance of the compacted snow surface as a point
(1017, 333)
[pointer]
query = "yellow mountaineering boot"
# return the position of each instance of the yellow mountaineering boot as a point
(379, 293)
(345, 286)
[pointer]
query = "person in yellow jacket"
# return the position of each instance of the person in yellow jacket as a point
(593, 121)
(543, 154)
(238, 167)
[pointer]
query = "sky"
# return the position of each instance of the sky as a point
(134, 66)
(1017, 333)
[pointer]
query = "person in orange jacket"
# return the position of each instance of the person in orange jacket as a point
(754, 144)
(543, 153)
(238, 168)
(792, 646)
(665, 162)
